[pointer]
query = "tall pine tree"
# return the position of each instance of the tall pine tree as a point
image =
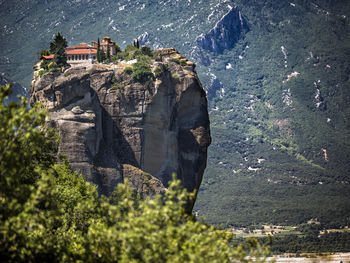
(57, 47)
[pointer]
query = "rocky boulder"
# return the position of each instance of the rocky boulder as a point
(113, 127)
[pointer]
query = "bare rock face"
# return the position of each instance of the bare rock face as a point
(113, 127)
(225, 34)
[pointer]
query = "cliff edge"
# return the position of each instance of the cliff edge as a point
(114, 127)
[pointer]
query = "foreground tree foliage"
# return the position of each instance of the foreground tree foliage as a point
(49, 213)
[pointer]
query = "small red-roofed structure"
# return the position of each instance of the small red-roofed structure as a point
(49, 57)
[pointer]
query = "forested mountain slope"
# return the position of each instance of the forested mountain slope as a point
(279, 96)
(16, 89)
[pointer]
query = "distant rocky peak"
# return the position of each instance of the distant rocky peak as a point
(226, 33)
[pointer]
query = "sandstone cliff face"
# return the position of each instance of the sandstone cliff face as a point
(113, 127)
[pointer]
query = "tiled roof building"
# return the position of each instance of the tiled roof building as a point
(80, 52)
(106, 44)
(84, 53)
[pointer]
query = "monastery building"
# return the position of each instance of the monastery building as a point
(84, 53)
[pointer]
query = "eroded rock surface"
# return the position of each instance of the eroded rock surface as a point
(225, 34)
(113, 127)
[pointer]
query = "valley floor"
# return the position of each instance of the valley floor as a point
(312, 258)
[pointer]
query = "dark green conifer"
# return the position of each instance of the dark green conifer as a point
(136, 43)
(102, 55)
(98, 50)
(108, 53)
(57, 47)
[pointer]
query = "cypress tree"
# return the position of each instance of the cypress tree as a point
(108, 53)
(102, 55)
(98, 50)
(136, 43)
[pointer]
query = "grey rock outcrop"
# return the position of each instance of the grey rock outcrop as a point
(225, 34)
(144, 39)
(113, 127)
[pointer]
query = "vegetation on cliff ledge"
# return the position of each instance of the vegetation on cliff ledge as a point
(49, 213)
(141, 70)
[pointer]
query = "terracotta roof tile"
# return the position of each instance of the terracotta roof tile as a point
(49, 57)
(79, 46)
(81, 52)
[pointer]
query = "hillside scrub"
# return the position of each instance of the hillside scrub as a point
(49, 213)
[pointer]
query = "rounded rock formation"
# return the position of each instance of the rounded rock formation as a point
(114, 127)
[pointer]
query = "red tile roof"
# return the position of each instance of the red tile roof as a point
(74, 52)
(81, 49)
(79, 46)
(49, 57)
(81, 52)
